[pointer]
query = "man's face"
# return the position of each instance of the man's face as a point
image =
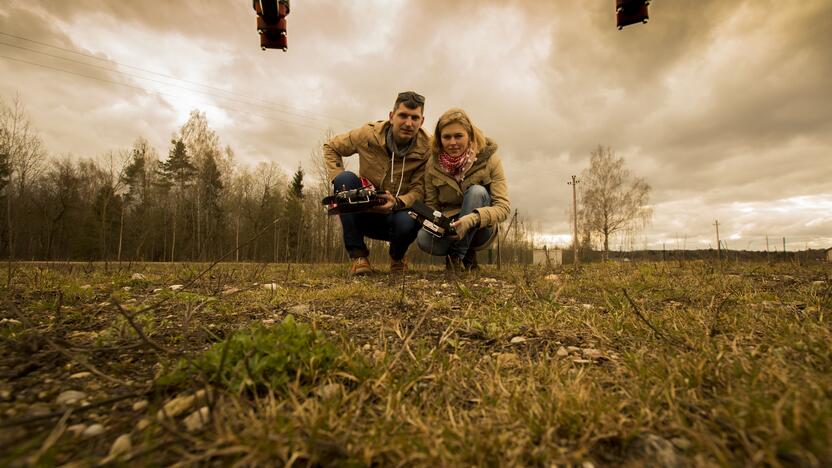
(406, 122)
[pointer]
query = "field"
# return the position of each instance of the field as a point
(669, 364)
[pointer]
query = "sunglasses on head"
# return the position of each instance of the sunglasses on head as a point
(410, 95)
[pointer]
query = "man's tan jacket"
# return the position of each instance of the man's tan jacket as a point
(406, 177)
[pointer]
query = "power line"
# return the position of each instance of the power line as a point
(164, 82)
(160, 93)
(216, 88)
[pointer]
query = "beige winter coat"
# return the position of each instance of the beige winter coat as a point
(442, 192)
(370, 142)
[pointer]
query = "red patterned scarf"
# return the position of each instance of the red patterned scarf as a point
(456, 164)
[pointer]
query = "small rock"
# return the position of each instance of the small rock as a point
(142, 424)
(76, 429)
(156, 290)
(176, 407)
(196, 420)
(443, 285)
(69, 397)
(818, 283)
(659, 451)
(366, 347)
(552, 277)
(488, 280)
(587, 306)
(80, 375)
(121, 446)
(86, 286)
(137, 276)
(300, 309)
(126, 288)
(140, 405)
(328, 391)
(591, 353)
(93, 431)
(518, 339)
(37, 409)
(175, 287)
(562, 352)
(270, 286)
(268, 321)
(587, 464)
(8, 321)
(573, 349)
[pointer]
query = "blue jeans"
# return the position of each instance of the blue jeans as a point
(476, 196)
(397, 227)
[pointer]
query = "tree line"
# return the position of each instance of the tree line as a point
(192, 203)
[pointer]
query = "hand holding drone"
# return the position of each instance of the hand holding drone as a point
(346, 200)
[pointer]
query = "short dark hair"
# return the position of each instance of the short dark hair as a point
(411, 100)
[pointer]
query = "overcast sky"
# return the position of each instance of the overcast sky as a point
(724, 107)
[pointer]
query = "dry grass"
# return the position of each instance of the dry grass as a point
(704, 364)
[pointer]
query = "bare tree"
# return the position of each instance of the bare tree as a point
(24, 155)
(612, 199)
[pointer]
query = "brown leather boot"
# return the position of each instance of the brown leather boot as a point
(361, 266)
(398, 267)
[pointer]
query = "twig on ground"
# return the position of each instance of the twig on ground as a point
(53, 437)
(139, 330)
(70, 355)
(641, 316)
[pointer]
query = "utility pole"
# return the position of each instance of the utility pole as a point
(575, 245)
(784, 245)
(718, 245)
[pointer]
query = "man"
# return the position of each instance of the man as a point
(392, 156)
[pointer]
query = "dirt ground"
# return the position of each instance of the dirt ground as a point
(700, 364)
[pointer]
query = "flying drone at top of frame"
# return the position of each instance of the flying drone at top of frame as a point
(271, 19)
(271, 23)
(629, 12)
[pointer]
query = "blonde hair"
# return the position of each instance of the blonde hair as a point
(457, 115)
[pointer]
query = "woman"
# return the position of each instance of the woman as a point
(464, 179)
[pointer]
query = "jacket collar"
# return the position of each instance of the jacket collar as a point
(380, 134)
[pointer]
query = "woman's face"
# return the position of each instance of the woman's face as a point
(454, 138)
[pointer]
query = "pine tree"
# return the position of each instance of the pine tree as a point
(179, 171)
(293, 216)
(210, 186)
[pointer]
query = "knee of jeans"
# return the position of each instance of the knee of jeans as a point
(346, 179)
(404, 224)
(477, 191)
(427, 243)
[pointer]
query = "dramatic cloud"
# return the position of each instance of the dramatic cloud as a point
(721, 106)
